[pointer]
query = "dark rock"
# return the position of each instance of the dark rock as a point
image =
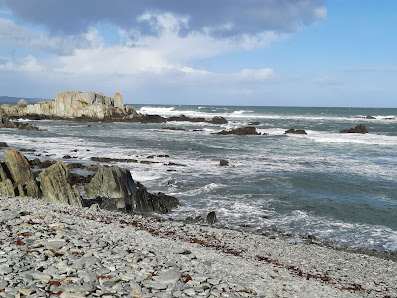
(67, 157)
(119, 192)
(218, 120)
(174, 128)
(75, 165)
(240, 131)
(254, 123)
(370, 117)
(41, 164)
(223, 163)
(357, 129)
(174, 164)
(107, 159)
(296, 131)
(189, 220)
(55, 187)
(3, 145)
(211, 218)
(27, 150)
(74, 179)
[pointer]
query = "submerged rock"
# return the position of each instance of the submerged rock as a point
(296, 131)
(55, 187)
(223, 163)
(240, 131)
(357, 129)
(218, 120)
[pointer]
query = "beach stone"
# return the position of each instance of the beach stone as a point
(168, 277)
(156, 285)
(54, 243)
(87, 276)
(26, 292)
(41, 276)
(3, 284)
(5, 270)
(77, 288)
(55, 187)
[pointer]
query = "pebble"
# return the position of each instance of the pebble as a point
(85, 252)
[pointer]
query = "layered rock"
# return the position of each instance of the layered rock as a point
(55, 186)
(17, 176)
(118, 191)
(74, 104)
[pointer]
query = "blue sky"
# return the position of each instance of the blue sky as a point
(227, 52)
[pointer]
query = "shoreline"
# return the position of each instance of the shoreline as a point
(204, 257)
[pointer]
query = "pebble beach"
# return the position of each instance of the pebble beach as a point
(50, 250)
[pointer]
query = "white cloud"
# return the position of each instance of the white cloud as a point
(27, 64)
(257, 75)
(320, 12)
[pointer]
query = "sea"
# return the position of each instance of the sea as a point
(339, 188)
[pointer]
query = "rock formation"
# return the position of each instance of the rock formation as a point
(5, 122)
(118, 191)
(74, 104)
(17, 176)
(357, 129)
(55, 186)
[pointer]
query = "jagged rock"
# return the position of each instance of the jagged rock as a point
(118, 191)
(218, 120)
(3, 145)
(15, 171)
(18, 166)
(55, 186)
(22, 103)
(74, 104)
(357, 129)
(211, 218)
(223, 163)
(240, 131)
(115, 186)
(296, 131)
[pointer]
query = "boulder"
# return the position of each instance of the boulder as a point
(22, 103)
(296, 131)
(218, 120)
(223, 163)
(357, 129)
(16, 172)
(240, 131)
(55, 187)
(211, 218)
(18, 166)
(115, 186)
(118, 191)
(3, 145)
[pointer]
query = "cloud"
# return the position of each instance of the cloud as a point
(372, 69)
(28, 64)
(22, 36)
(223, 17)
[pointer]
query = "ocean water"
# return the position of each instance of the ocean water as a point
(337, 187)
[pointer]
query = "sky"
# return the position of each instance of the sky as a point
(223, 52)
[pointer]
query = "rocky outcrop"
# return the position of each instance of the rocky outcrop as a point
(240, 131)
(223, 163)
(5, 122)
(55, 187)
(357, 129)
(115, 186)
(296, 131)
(116, 190)
(218, 120)
(75, 104)
(16, 172)
(211, 218)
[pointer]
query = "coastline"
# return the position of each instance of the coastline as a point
(243, 264)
